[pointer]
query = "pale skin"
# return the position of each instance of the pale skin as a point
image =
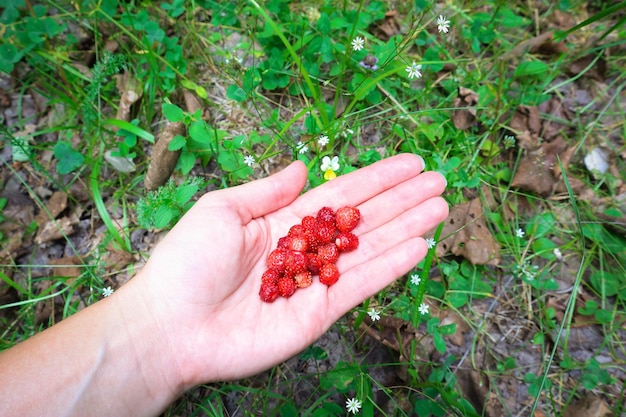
(193, 315)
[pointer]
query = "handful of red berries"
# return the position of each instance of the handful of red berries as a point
(310, 248)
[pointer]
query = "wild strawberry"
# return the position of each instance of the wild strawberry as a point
(314, 263)
(303, 279)
(312, 241)
(328, 253)
(346, 241)
(296, 230)
(309, 222)
(325, 232)
(268, 292)
(326, 215)
(271, 276)
(276, 259)
(329, 274)
(283, 242)
(299, 243)
(347, 218)
(286, 287)
(295, 262)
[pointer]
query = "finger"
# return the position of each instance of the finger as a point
(387, 252)
(399, 199)
(260, 197)
(361, 185)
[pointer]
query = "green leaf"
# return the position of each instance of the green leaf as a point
(531, 69)
(172, 112)
(131, 128)
(69, 159)
(163, 216)
(184, 193)
(199, 132)
(177, 143)
(234, 92)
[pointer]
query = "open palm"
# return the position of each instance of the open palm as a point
(203, 279)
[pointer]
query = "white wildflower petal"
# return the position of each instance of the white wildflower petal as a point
(249, 160)
(415, 279)
(558, 254)
(431, 243)
(443, 25)
(358, 43)
(374, 314)
(323, 140)
(108, 291)
(519, 233)
(423, 308)
(414, 70)
(353, 405)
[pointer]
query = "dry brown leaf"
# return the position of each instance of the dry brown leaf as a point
(596, 71)
(541, 43)
(56, 229)
(538, 169)
(552, 127)
(163, 161)
(54, 206)
(130, 92)
(388, 27)
(588, 406)
(67, 266)
(451, 316)
(526, 123)
(465, 103)
(468, 235)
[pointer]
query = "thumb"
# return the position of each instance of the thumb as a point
(260, 197)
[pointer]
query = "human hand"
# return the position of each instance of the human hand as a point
(199, 290)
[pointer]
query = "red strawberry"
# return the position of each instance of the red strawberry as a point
(276, 259)
(309, 222)
(295, 262)
(303, 279)
(296, 230)
(283, 242)
(299, 243)
(326, 215)
(328, 253)
(268, 292)
(347, 241)
(271, 276)
(347, 218)
(314, 263)
(286, 287)
(329, 274)
(325, 232)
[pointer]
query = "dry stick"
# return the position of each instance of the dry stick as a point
(163, 161)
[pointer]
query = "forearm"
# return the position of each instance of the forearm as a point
(103, 361)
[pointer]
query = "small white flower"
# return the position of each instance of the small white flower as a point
(353, 405)
(414, 70)
(443, 25)
(323, 140)
(106, 292)
(415, 279)
(374, 314)
(423, 308)
(519, 233)
(358, 43)
(558, 254)
(430, 242)
(249, 160)
(302, 148)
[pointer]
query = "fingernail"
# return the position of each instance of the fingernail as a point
(444, 179)
(422, 161)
